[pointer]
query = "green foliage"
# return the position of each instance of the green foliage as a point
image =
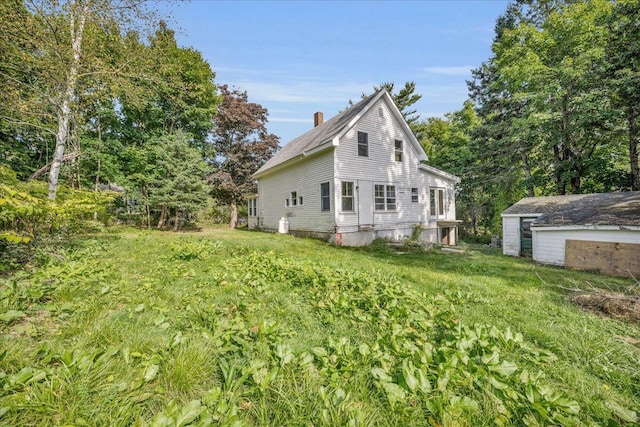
(242, 145)
(176, 174)
(26, 215)
(198, 331)
(189, 249)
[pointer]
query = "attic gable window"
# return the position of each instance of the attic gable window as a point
(398, 150)
(363, 144)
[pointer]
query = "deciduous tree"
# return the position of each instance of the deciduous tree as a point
(51, 66)
(623, 61)
(242, 144)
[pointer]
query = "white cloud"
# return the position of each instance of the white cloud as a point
(303, 91)
(288, 120)
(464, 70)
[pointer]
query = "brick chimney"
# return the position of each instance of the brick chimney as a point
(317, 119)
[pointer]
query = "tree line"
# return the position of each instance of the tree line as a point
(95, 93)
(554, 110)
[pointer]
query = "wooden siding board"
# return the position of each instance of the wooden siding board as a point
(304, 178)
(380, 167)
(511, 236)
(342, 163)
(549, 245)
(608, 258)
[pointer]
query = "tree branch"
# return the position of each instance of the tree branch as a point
(45, 168)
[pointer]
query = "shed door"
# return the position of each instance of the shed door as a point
(365, 203)
(526, 237)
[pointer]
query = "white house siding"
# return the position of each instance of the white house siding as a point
(511, 235)
(549, 244)
(429, 222)
(304, 178)
(380, 167)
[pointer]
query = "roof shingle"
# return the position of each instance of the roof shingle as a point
(316, 136)
(581, 209)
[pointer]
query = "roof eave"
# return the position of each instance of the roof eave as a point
(441, 173)
(358, 116)
(320, 148)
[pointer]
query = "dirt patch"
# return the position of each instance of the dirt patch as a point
(617, 305)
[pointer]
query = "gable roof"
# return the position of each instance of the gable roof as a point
(581, 209)
(326, 134)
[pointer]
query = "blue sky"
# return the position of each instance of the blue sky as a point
(298, 57)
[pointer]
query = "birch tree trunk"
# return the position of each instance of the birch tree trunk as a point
(68, 97)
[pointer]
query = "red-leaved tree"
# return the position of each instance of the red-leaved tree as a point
(242, 145)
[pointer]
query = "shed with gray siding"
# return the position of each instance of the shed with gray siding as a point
(358, 176)
(540, 226)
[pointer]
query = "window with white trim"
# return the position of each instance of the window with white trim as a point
(347, 196)
(363, 144)
(397, 150)
(391, 197)
(325, 197)
(294, 198)
(414, 195)
(253, 207)
(436, 202)
(384, 197)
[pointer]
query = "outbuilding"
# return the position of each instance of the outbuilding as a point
(598, 232)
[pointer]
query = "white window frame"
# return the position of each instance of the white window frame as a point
(398, 152)
(365, 145)
(327, 197)
(437, 202)
(415, 195)
(386, 196)
(293, 196)
(253, 207)
(344, 185)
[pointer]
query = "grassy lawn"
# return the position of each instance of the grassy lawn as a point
(236, 328)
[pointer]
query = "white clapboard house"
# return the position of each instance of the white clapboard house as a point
(356, 177)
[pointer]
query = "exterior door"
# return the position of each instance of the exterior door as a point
(444, 236)
(365, 203)
(526, 237)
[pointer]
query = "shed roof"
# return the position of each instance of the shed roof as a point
(581, 209)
